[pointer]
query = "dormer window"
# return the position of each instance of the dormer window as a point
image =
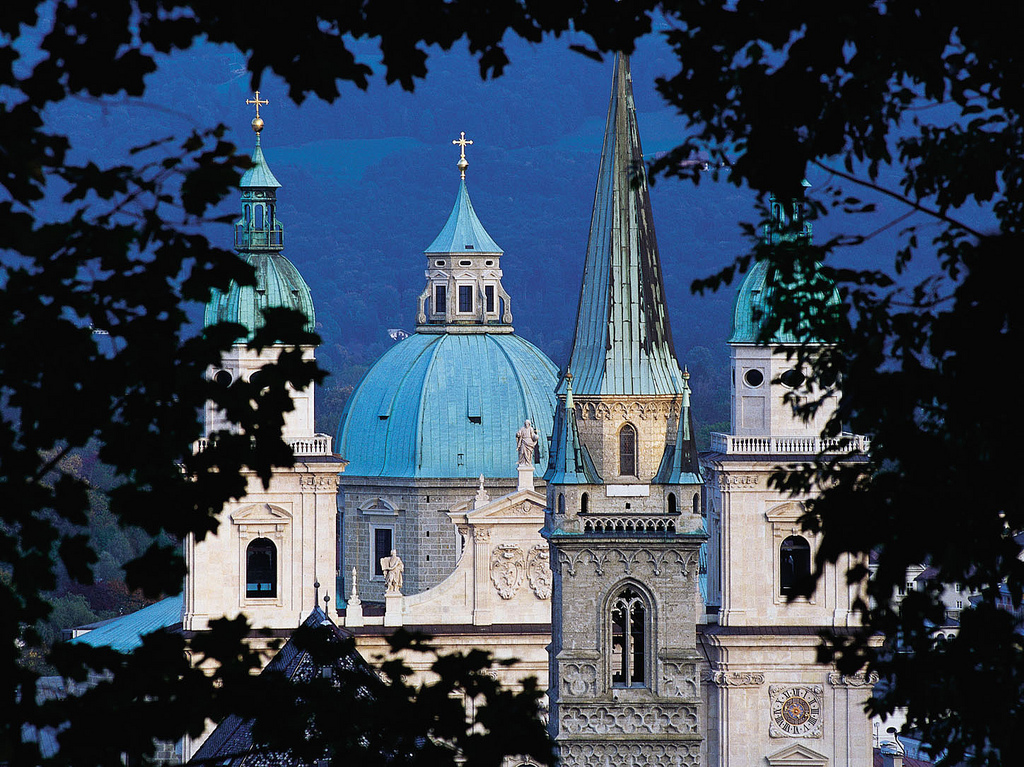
(470, 247)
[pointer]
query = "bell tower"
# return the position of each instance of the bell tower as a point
(277, 542)
(624, 494)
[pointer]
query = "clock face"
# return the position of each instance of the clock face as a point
(796, 711)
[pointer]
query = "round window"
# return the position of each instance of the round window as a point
(753, 377)
(222, 378)
(792, 378)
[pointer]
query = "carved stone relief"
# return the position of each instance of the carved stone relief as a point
(329, 482)
(737, 678)
(628, 720)
(859, 679)
(538, 571)
(679, 680)
(629, 562)
(579, 678)
(630, 754)
(508, 566)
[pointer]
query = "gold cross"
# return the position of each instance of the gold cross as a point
(258, 103)
(462, 143)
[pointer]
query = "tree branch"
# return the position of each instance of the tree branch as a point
(900, 198)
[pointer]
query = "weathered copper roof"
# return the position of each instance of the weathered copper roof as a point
(259, 175)
(448, 405)
(571, 463)
(623, 343)
(463, 232)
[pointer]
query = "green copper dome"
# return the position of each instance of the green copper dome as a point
(278, 285)
(259, 239)
(448, 405)
(750, 312)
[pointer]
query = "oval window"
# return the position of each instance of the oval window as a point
(792, 378)
(439, 263)
(465, 263)
(753, 377)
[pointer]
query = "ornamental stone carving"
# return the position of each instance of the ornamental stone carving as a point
(579, 678)
(329, 482)
(630, 562)
(860, 679)
(482, 534)
(679, 680)
(737, 678)
(628, 720)
(508, 566)
(630, 754)
(538, 571)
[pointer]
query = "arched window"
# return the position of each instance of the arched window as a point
(258, 222)
(629, 640)
(248, 214)
(696, 503)
(627, 451)
(561, 504)
(671, 503)
(584, 503)
(261, 569)
(794, 563)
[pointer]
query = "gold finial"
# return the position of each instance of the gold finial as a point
(568, 377)
(257, 121)
(462, 142)
(686, 373)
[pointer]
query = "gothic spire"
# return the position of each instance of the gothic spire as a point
(570, 462)
(623, 343)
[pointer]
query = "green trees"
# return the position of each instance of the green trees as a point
(926, 94)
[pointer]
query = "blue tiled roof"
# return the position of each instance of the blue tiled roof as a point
(124, 634)
(623, 342)
(448, 405)
(463, 231)
(259, 175)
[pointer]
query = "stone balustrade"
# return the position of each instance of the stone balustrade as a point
(772, 445)
(305, 447)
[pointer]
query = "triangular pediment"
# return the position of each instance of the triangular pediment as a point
(261, 513)
(524, 504)
(378, 506)
(790, 511)
(797, 755)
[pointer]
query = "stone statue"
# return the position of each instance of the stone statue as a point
(394, 570)
(526, 444)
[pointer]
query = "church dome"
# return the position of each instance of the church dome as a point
(448, 405)
(750, 312)
(278, 285)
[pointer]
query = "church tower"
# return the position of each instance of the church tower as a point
(276, 543)
(768, 700)
(624, 494)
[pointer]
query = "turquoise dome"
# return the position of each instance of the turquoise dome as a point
(448, 405)
(750, 312)
(278, 284)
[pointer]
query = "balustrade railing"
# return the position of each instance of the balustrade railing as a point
(317, 445)
(248, 238)
(772, 445)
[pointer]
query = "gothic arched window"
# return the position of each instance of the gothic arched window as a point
(794, 563)
(672, 508)
(627, 451)
(584, 503)
(629, 639)
(261, 569)
(561, 504)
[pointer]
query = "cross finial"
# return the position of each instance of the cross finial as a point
(462, 143)
(257, 121)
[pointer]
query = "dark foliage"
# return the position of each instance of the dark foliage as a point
(917, 105)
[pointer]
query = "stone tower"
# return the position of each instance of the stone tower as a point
(624, 494)
(274, 544)
(768, 700)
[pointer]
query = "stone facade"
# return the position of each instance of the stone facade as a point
(416, 511)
